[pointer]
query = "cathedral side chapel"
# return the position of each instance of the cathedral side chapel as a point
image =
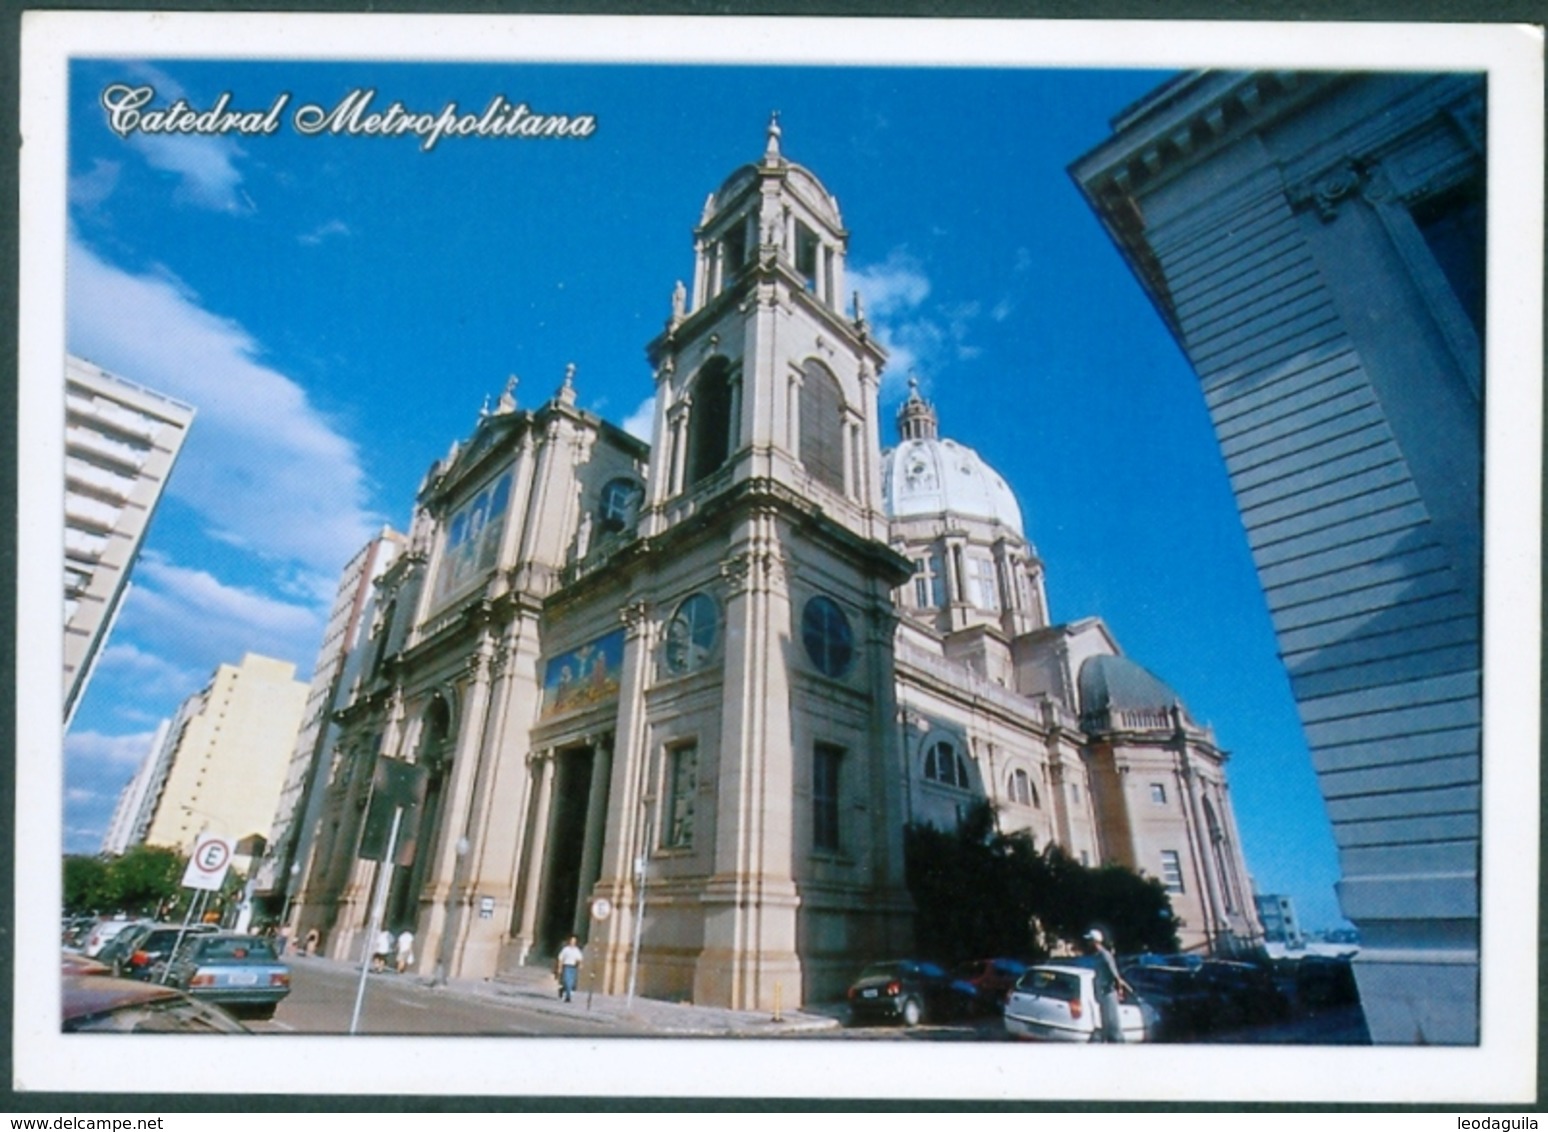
(709, 681)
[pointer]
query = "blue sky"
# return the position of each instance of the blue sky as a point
(339, 308)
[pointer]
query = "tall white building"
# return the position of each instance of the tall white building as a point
(121, 441)
(121, 831)
(290, 839)
(222, 761)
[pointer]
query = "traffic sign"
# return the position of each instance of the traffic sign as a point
(601, 908)
(209, 862)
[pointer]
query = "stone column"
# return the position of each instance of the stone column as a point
(750, 901)
(492, 841)
(596, 828)
(542, 764)
(466, 757)
(628, 765)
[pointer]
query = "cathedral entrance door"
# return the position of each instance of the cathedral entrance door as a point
(566, 849)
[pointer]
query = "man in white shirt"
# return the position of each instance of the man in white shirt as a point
(568, 963)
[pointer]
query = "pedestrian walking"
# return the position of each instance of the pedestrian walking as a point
(405, 950)
(567, 967)
(1108, 983)
(382, 951)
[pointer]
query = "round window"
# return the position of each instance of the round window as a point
(690, 635)
(826, 634)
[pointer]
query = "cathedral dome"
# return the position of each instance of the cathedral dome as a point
(925, 475)
(1116, 683)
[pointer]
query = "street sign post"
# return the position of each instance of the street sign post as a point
(209, 862)
(206, 872)
(397, 793)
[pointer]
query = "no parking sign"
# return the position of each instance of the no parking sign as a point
(211, 858)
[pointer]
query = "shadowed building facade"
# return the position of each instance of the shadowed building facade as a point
(1314, 241)
(711, 680)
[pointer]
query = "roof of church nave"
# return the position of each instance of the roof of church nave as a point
(1116, 683)
(805, 183)
(926, 475)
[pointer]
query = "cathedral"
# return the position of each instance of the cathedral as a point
(681, 700)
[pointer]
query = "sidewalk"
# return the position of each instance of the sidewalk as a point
(538, 991)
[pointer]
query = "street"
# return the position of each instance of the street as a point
(323, 995)
(322, 998)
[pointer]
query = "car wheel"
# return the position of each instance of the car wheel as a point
(913, 1012)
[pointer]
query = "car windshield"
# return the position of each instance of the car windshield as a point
(236, 949)
(1050, 984)
(884, 971)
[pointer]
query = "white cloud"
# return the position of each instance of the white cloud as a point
(109, 753)
(322, 232)
(206, 167)
(891, 288)
(262, 467)
(918, 339)
(151, 674)
(194, 616)
(90, 189)
(642, 422)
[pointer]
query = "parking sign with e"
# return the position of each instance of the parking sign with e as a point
(208, 863)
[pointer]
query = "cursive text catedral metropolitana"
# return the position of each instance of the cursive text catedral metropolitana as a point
(352, 115)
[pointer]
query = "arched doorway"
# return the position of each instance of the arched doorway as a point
(409, 882)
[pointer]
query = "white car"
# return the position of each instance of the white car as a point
(102, 933)
(1057, 1002)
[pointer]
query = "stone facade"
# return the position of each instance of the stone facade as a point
(1315, 243)
(709, 681)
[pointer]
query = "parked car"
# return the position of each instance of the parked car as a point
(983, 984)
(105, 930)
(73, 929)
(102, 1004)
(241, 972)
(114, 947)
(1244, 992)
(1321, 983)
(1057, 1002)
(139, 952)
(1185, 1006)
(905, 990)
(74, 963)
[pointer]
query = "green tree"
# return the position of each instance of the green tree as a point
(981, 892)
(86, 891)
(146, 879)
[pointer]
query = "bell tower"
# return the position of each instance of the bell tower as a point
(760, 770)
(761, 372)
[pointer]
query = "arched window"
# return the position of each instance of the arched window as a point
(829, 641)
(945, 764)
(618, 504)
(709, 421)
(691, 633)
(1018, 788)
(822, 425)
